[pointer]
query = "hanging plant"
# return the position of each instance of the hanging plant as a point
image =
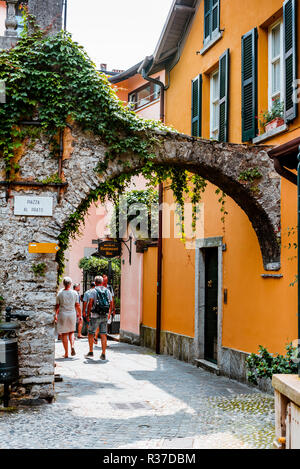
(148, 200)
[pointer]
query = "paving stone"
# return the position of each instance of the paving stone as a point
(167, 404)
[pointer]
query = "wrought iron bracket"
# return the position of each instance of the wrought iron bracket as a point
(129, 248)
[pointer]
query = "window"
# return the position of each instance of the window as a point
(276, 80)
(249, 85)
(214, 105)
(290, 46)
(145, 95)
(211, 19)
(196, 130)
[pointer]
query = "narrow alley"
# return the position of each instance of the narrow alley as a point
(137, 399)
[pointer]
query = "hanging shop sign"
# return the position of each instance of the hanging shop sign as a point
(43, 248)
(109, 249)
(33, 206)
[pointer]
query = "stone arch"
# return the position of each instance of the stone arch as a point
(219, 163)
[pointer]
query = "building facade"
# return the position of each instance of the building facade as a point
(232, 62)
(224, 64)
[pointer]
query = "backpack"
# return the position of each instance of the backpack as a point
(102, 304)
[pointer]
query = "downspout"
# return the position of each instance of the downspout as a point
(142, 71)
(65, 14)
(285, 173)
(298, 236)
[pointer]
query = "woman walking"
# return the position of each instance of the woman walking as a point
(65, 315)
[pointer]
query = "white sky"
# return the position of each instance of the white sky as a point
(119, 33)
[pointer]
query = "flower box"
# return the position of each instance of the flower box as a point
(274, 124)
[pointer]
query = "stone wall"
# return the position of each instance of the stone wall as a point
(175, 345)
(48, 13)
(21, 289)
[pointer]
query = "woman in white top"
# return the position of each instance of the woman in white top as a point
(65, 315)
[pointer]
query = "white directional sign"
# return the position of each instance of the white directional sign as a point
(33, 206)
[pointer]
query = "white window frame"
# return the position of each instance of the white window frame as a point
(271, 61)
(214, 107)
(213, 33)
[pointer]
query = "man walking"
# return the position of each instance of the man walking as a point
(86, 299)
(98, 313)
(110, 288)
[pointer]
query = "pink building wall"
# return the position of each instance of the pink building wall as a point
(132, 280)
(2, 17)
(96, 227)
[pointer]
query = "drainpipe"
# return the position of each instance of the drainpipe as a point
(142, 71)
(65, 14)
(159, 269)
(298, 230)
(283, 171)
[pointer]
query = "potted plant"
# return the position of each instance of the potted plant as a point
(263, 365)
(274, 118)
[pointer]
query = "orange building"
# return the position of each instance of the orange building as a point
(225, 63)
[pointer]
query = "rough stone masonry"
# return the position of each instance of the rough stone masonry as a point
(21, 289)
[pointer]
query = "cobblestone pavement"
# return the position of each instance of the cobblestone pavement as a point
(139, 400)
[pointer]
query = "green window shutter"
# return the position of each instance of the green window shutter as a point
(249, 85)
(290, 57)
(207, 19)
(211, 18)
(224, 96)
(197, 106)
(215, 15)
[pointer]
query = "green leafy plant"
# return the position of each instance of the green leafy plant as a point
(250, 175)
(264, 364)
(53, 179)
(117, 303)
(39, 270)
(96, 266)
(149, 199)
(222, 201)
(277, 110)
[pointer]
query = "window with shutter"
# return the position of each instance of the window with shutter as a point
(249, 85)
(197, 107)
(276, 89)
(290, 57)
(211, 19)
(214, 105)
(223, 96)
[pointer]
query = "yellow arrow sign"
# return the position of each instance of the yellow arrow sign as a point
(43, 248)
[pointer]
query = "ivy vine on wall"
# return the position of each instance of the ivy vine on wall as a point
(145, 207)
(51, 79)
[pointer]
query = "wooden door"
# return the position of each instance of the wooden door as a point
(211, 304)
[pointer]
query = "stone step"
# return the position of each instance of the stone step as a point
(208, 366)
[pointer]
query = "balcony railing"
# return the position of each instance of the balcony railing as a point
(13, 24)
